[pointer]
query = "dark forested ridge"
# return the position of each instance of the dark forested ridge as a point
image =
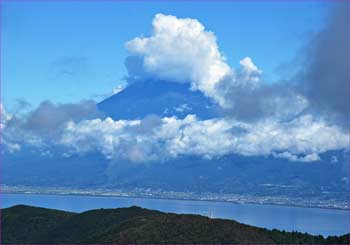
(26, 224)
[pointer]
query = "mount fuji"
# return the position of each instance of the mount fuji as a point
(163, 99)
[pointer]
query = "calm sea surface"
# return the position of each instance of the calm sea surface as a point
(312, 220)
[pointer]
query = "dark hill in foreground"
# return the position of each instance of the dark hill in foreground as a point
(26, 224)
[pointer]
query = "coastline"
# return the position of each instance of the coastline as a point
(123, 195)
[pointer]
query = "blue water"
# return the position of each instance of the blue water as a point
(312, 220)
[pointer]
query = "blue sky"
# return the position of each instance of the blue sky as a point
(69, 51)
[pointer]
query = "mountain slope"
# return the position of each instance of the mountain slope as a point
(158, 98)
(25, 224)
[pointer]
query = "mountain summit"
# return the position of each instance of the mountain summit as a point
(164, 99)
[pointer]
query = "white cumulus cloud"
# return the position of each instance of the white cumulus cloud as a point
(301, 139)
(181, 50)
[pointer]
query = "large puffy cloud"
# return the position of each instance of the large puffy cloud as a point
(325, 74)
(301, 139)
(179, 50)
(182, 50)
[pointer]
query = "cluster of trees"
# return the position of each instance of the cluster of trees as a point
(283, 237)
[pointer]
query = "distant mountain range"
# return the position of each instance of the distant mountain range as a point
(134, 225)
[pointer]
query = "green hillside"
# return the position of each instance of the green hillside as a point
(26, 224)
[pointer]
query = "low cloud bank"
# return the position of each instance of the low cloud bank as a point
(43, 125)
(301, 139)
(158, 139)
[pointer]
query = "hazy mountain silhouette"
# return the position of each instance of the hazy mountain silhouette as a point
(141, 99)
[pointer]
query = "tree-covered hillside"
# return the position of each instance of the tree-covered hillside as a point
(33, 225)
